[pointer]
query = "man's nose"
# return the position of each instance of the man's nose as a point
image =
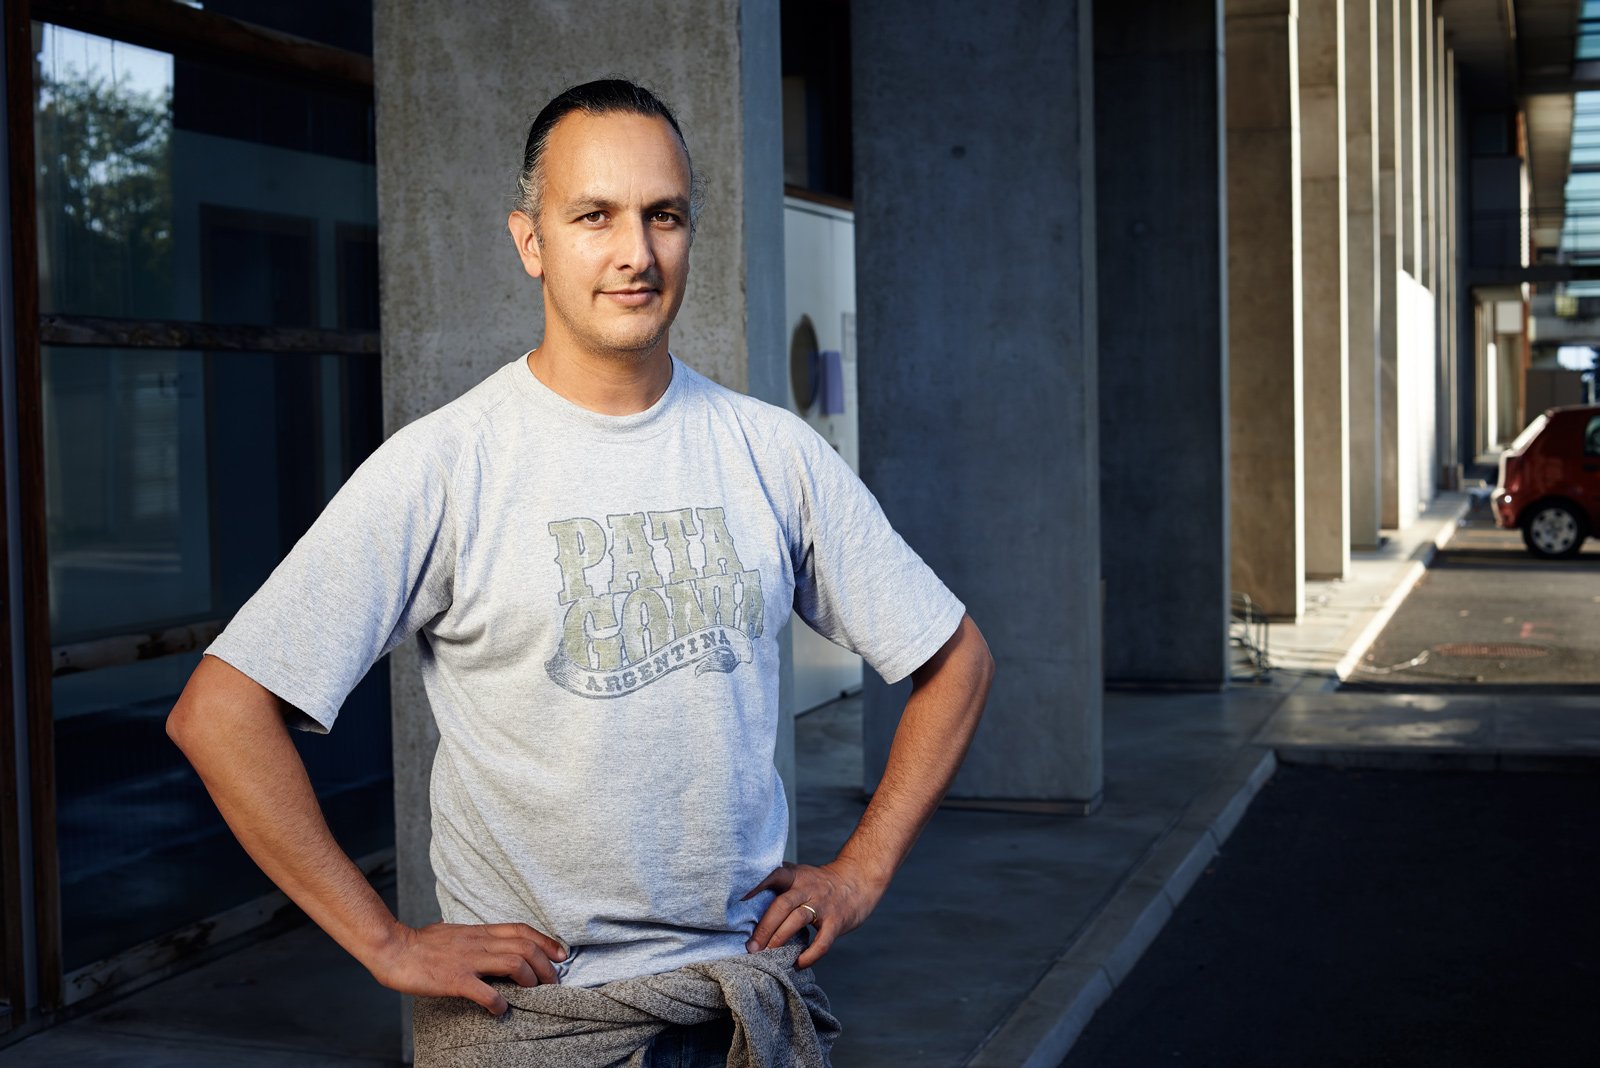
(634, 249)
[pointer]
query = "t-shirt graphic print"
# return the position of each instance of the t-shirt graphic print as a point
(649, 594)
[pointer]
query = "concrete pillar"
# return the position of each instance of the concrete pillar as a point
(1444, 363)
(1460, 335)
(1419, 349)
(976, 334)
(1323, 223)
(1265, 389)
(1161, 266)
(1362, 289)
(1410, 140)
(1428, 154)
(455, 97)
(1390, 253)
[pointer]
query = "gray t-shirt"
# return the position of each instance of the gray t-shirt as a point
(598, 601)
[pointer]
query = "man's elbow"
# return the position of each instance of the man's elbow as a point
(217, 702)
(182, 719)
(964, 662)
(983, 664)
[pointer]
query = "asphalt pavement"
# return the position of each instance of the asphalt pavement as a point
(1361, 917)
(1488, 614)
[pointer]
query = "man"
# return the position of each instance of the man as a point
(597, 549)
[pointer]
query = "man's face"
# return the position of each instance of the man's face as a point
(613, 237)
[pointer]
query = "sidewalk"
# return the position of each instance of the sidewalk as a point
(1001, 936)
(1343, 618)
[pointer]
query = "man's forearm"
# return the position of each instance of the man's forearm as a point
(946, 702)
(232, 730)
(940, 717)
(233, 733)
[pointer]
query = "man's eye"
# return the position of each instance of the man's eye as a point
(666, 218)
(594, 217)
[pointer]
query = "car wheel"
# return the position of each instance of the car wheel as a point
(1553, 530)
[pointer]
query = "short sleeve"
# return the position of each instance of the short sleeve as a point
(377, 565)
(857, 582)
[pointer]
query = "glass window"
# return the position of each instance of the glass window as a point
(125, 491)
(103, 145)
(170, 189)
(176, 190)
(1591, 437)
(142, 849)
(176, 481)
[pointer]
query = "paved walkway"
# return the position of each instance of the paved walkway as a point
(1004, 931)
(1342, 619)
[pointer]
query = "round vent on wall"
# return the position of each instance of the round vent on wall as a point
(803, 364)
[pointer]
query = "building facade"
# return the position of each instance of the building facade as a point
(1158, 309)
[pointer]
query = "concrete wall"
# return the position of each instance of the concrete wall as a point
(975, 274)
(1161, 264)
(455, 97)
(1415, 402)
(1265, 388)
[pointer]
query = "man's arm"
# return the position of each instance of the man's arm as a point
(947, 696)
(233, 732)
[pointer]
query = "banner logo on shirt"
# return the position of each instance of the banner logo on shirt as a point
(673, 596)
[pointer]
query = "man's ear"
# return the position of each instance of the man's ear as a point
(527, 242)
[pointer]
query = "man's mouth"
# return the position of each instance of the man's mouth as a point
(630, 296)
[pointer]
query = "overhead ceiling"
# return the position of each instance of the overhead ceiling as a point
(1482, 33)
(1520, 53)
(1512, 47)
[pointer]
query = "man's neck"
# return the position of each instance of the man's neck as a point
(610, 384)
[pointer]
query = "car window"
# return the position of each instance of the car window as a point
(1591, 437)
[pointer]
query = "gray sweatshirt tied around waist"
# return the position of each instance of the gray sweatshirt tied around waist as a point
(780, 1018)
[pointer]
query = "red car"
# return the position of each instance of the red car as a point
(1550, 482)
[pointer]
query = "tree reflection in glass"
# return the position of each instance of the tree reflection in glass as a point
(104, 156)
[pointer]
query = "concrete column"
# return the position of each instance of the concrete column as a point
(1410, 140)
(1428, 133)
(1419, 348)
(1443, 306)
(1159, 180)
(455, 97)
(1323, 222)
(977, 370)
(1265, 388)
(1460, 336)
(1362, 289)
(1390, 253)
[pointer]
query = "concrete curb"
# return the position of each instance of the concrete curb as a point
(1356, 647)
(1044, 1025)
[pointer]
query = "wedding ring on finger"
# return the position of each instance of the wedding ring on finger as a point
(811, 910)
